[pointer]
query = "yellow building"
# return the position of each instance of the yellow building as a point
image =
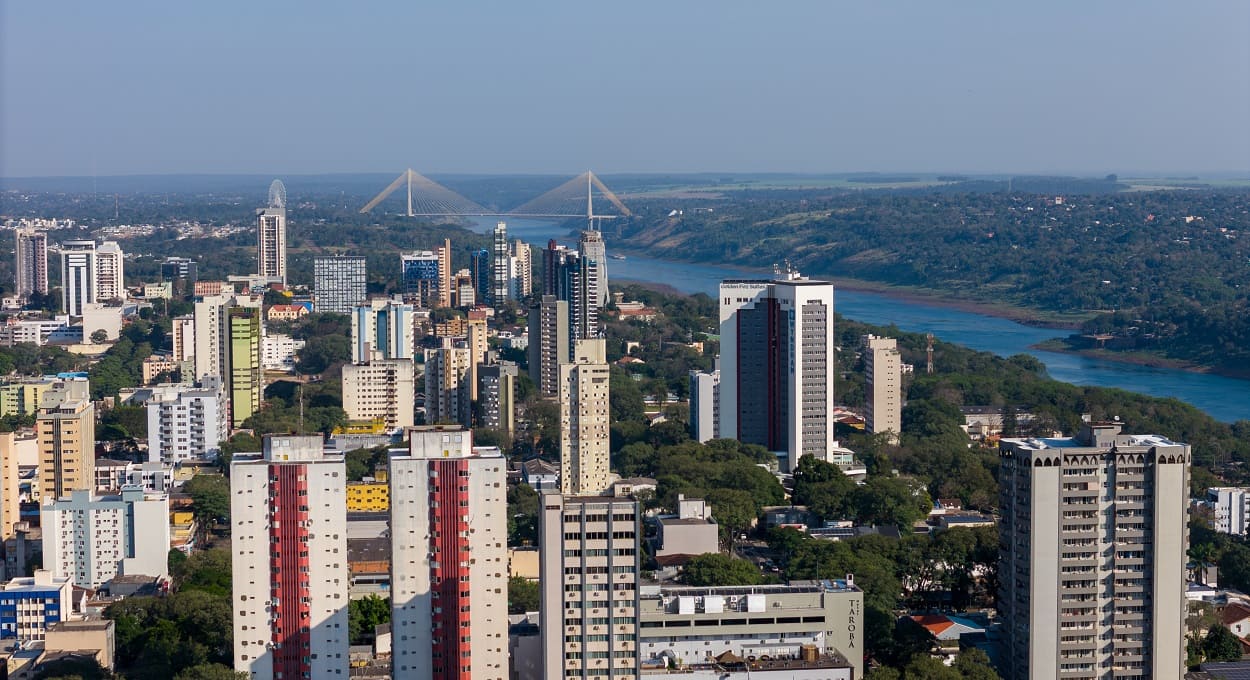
(371, 426)
(368, 497)
(66, 427)
(22, 398)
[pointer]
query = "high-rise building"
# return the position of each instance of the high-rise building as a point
(383, 389)
(32, 262)
(548, 343)
(501, 267)
(93, 539)
(271, 243)
(420, 274)
(554, 261)
(10, 487)
(704, 407)
(187, 422)
(449, 565)
(382, 329)
(595, 252)
(581, 287)
(33, 603)
(447, 386)
(588, 575)
(1230, 506)
(475, 341)
(464, 293)
(1093, 536)
(340, 282)
(777, 365)
(522, 270)
(110, 265)
(183, 338)
(288, 508)
(584, 439)
(247, 371)
(497, 396)
(211, 334)
(883, 372)
(180, 269)
(445, 273)
(480, 270)
(78, 276)
(66, 428)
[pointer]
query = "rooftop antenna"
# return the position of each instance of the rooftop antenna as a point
(929, 353)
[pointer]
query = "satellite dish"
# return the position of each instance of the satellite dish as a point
(277, 194)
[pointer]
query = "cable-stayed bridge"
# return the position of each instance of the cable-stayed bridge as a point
(574, 198)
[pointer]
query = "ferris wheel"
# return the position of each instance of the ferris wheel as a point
(277, 194)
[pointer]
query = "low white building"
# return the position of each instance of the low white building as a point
(278, 352)
(185, 421)
(1231, 508)
(93, 538)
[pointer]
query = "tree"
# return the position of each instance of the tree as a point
(98, 337)
(823, 488)
(735, 511)
(364, 615)
(210, 671)
(71, 668)
(210, 498)
(1221, 645)
(624, 397)
(522, 515)
(974, 664)
(523, 595)
(714, 569)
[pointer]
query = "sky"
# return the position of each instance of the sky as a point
(239, 86)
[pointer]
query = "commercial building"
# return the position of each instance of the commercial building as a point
(66, 428)
(480, 272)
(29, 605)
(288, 509)
(31, 266)
(187, 422)
(383, 329)
(584, 438)
(78, 276)
(271, 243)
(447, 386)
(548, 343)
(110, 265)
(449, 569)
(496, 393)
(588, 559)
(704, 405)
(381, 389)
(1230, 507)
(92, 539)
(777, 365)
(182, 272)
(581, 285)
(426, 276)
(883, 372)
(698, 625)
(340, 283)
(247, 372)
(1093, 536)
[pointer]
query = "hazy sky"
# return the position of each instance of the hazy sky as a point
(677, 85)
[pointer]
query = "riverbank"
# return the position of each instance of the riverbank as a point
(1061, 346)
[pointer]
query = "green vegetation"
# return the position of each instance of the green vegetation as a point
(714, 569)
(364, 616)
(523, 595)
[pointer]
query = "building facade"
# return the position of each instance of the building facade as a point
(1230, 507)
(584, 437)
(66, 429)
(447, 386)
(382, 389)
(883, 372)
(271, 243)
(78, 276)
(29, 605)
(1093, 537)
(548, 343)
(187, 422)
(497, 396)
(777, 365)
(449, 567)
(704, 405)
(247, 372)
(594, 250)
(500, 268)
(110, 272)
(288, 509)
(92, 539)
(31, 267)
(340, 283)
(383, 329)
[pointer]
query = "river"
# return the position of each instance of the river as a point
(1223, 398)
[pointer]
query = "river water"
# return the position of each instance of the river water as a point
(1223, 398)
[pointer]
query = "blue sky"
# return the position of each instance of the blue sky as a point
(231, 86)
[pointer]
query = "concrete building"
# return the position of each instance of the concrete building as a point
(697, 625)
(777, 365)
(521, 272)
(31, 266)
(288, 509)
(66, 427)
(383, 329)
(581, 286)
(1092, 566)
(279, 351)
(247, 374)
(588, 557)
(383, 388)
(1230, 507)
(593, 249)
(111, 476)
(501, 267)
(340, 283)
(883, 371)
(182, 272)
(187, 422)
(496, 393)
(182, 337)
(211, 333)
(691, 532)
(584, 438)
(78, 276)
(548, 343)
(110, 265)
(31, 604)
(449, 570)
(10, 486)
(271, 243)
(79, 637)
(426, 276)
(91, 539)
(447, 386)
(704, 405)
(23, 396)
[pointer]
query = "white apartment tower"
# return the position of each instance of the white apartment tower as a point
(383, 329)
(704, 409)
(110, 264)
(584, 438)
(1093, 536)
(522, 270)
(187, 422)
(383, 389)
(588, 573)
(93, 538)
(31, 266)
(501, 267)
(271, 243)
(289, 543)
(1230, 507)
(78, 276)
(883, 371)
(595, 251)
(449, 565)
(447, 386)
(777, 367)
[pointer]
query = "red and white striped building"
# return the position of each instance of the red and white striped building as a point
(288, 513)
(449, 568)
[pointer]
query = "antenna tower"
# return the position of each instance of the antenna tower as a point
(929, 353)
